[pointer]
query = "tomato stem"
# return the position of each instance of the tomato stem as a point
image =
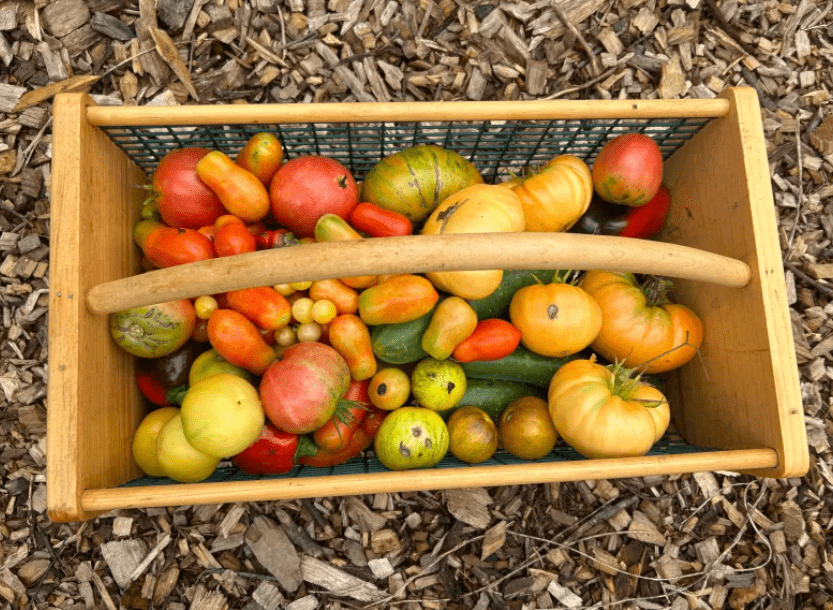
(656, 290)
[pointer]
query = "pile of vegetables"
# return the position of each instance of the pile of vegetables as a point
(414, 365)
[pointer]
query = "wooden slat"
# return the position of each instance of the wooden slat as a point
(403, 111)
(743, 391)
(93, 402)
(416, 254)
(95, 500)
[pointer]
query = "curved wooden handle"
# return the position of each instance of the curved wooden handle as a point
(417, 254)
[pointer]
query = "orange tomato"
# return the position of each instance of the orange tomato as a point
(555, 319)
(262, 155)
(351, 338)
(263, 306)
(653, 334)
(168, 247)
(239, 190)
(239, 341)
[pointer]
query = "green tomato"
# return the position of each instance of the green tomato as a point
(411, 437)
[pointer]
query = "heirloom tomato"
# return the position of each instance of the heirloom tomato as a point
(183, 200)
(306, 188)
(602, 412)
(641, 328)
(303, 389)
(628, 170)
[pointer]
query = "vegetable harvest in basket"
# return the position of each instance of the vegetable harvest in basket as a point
(411, 366)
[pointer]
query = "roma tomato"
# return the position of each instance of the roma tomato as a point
(555, 319)
(604, 413)
(306, 188)
(239, 341)
(168, 247)
(263, 305)
(402, 298)
(331, 227)
(492, 339)
(183, 200)
(379, 222)
(262, 155)
(641, 328)
(628, 170)
(240, 192)
(301, 391)
(351, 338)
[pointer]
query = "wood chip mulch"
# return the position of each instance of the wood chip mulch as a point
(708, 540)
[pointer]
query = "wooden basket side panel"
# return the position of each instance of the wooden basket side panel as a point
(94, 405)
(743, 391)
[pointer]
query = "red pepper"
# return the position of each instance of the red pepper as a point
(604, 218)
(151, 389)
(492, 339)
(378, 222)
(274, 452)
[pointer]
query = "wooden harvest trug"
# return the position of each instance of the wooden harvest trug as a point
(737, 406)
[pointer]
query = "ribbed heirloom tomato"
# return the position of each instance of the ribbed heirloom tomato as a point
(640, 326)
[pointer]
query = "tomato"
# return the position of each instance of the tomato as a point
(492, 339)
(153, 331)
(306, 188)
(156, 376)
(183, 200)
(414, 181)
(379, 222)
(605, 218)
(555, 319)
(362, 439)
(650, 333)
(239, 190)
(263, 305)
(169, 247)
(262, 155)
(555, 197)
(526, 428)
(233, 239)
(351, 338)
(302, 390)
(602, 412)
(274, 452)
(628, 170)
(239, 341)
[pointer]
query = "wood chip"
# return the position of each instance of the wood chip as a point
(643, 529)
(123, 557)
(494, 539)
(337, 582)
(273, 549)
(74, 83)
(469, 505)
(167, 50)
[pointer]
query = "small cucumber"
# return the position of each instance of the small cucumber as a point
(494, 395)
(400, 343)
(496, 305)
(521, 365)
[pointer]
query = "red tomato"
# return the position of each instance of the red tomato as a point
(628, 170)
(184, 201)
(301, 391)
(233, 238)
(306, 188)
(274, 452)
(167, 247)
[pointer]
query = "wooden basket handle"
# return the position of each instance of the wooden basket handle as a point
(417, 254)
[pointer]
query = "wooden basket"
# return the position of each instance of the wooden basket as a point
(737, 408)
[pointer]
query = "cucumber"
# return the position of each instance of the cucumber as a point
(496, 305)
(400, 343)
(494, 395)
(521, 365)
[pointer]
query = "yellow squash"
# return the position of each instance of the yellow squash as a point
(481, 208)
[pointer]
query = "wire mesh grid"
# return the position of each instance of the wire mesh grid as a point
(497, 148)
(670, 444)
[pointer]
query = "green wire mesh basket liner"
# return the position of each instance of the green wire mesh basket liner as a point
(497, 148)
